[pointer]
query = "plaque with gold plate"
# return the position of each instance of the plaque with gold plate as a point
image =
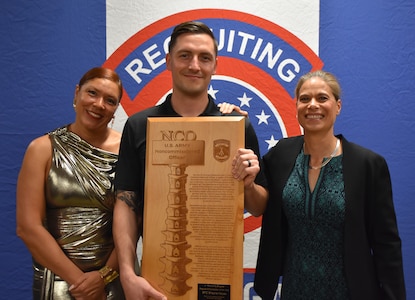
(193, 208)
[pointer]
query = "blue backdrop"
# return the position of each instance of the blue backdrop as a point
(46, 46)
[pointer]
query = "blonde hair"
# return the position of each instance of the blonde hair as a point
(329, 78)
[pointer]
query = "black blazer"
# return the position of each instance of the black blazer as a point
(373, 257)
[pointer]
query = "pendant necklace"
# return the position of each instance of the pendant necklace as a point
(328, 159)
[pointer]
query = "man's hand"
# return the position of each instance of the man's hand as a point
(136, 287)
(245, 166)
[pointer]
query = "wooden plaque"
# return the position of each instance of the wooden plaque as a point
(193, 208)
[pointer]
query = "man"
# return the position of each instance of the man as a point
(192, 60)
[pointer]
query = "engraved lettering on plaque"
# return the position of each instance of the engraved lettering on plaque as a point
(177, 150)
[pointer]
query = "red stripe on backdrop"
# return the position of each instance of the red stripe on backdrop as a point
(251, 223)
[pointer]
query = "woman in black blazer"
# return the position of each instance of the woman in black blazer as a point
(329, 226)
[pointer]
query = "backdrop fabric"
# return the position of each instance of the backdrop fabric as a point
(263, 48)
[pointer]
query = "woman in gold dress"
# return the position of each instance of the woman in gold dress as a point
(65, 198)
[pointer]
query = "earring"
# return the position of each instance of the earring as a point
(112, 122)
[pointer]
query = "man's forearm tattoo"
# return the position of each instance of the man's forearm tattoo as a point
(129, 197)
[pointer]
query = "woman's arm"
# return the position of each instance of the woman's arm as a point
(384, 235)
(30, 212)
(92, 284)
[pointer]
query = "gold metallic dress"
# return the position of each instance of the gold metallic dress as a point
(79, 205)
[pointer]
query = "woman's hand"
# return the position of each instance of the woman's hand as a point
(227, 108)
(89, 286)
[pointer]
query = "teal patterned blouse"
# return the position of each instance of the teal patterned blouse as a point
(313, 267)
